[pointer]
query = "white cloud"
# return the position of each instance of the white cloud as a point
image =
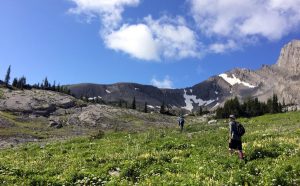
(228, 24)
(174, 38)
(223, 47)
(155, 39)
(165, 83)
(149, 40)
(135, 40)
(110, 11)
(236, 19)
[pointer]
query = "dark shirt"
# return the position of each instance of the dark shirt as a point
(180, 120)
(233, 131)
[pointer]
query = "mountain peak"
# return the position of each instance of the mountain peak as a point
(289, 58)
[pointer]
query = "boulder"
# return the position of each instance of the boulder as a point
(66, 102)
(55, 124)
(212, 121)
(38, 102)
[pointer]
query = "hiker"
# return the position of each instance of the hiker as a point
(181, 122)
(235, 137)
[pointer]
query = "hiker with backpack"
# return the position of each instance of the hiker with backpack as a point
(181, 122)
(236, 131)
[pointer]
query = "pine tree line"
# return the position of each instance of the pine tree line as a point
(46, 85)
(20, 83)
(250, 108)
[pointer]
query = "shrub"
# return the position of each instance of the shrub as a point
(99, 135)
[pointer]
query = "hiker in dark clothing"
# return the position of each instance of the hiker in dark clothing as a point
(181, 122)
(235, 140)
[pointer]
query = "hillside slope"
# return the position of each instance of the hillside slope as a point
(38, 115)
(164, 157)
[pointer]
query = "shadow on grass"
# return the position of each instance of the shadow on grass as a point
(261, 153)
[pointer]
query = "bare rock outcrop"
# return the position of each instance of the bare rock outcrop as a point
(38, 102)
(289, 59)
(108, 117)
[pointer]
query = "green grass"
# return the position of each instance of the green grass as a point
(199, 156)
(1, 93)
(36, 128)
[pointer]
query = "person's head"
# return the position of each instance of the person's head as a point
(232, 117)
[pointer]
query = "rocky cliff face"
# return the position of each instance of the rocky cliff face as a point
(282, 78)
(289, 59)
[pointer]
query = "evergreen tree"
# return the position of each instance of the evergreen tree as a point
(231, 106)
(7, 76)
(220, 113)
(22, 83)
(275, 104)
(46, 83)
(280, 108)
(200, 111)
(133, 105)
(38, 86)
(58, 88)
(146, 108)
(250, 108)
(120, 103)
(270, 105)
(15, 82)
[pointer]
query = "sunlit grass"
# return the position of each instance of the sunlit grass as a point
(198, 156)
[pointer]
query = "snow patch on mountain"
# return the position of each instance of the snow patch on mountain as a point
(191, 99)
(94, 98)
(234, 80)
(107, 91)
(150, 106)
(216, 105)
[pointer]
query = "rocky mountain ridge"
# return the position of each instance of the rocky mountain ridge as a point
(282, 78)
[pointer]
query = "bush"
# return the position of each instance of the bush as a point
(99, 135)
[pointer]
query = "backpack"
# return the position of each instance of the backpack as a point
(240, 129)
(181, 121)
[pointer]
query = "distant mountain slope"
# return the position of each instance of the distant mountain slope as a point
(282, 78)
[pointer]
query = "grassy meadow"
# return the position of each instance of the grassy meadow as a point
(198, 156)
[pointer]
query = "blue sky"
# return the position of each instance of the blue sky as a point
(167, 43)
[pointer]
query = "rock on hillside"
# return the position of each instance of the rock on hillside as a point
(107, 117)
(38, 102)
(62, 110)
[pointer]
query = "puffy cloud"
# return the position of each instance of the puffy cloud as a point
(174, 38)
(165, 83)
(228, 24)
(149, 40)
(223, 47)
(135, 40)
(110, 11)
(155, 39)
(271, 19)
